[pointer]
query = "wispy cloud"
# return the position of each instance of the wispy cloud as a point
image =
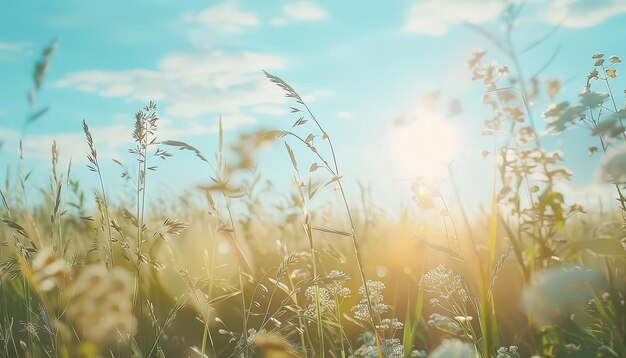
(225, 17)
(71, 144)
(344, 115)
(11, 51)
(435, 17)
(190, 84)
(272, 110)
(583, 13)
(300, 12)
(111, 141)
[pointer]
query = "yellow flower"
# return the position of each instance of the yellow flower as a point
(611, 72)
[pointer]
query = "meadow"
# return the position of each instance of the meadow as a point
(238, 267)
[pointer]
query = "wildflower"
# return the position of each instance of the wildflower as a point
(102, 304)
(382, 326)
(444, 323)
(326, 302)
(336, 288)
(361, 310)
(476, 56)
(453, 348)
(611, 72)
(463, 294)
(387, 323)
(394, 348)
(554, 86)
(559, 292)
(47, 269)
(396, 324)
(443, 282)
(504, 352)
(463, 319)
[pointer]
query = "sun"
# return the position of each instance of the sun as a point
(422, 145)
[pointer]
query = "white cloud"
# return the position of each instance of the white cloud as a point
(433, 17)
(271, 110)
(300, 12)
(344, 115)
(190, 84)
(583, 13)
(13, 46)
(110, 141)
(10, 51)
(71, 144)
(317, 94)
(590, 195)
(224, 17)
(279, 21)
(304, 11)
(170, 129)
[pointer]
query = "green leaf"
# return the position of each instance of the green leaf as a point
(38, 114)
(553, 200)
(292, 157)
(332, 231)
(593, 99)
(332, 180)
(223, 297)
(604, 126)
(417, 315)
(184, 146)
(407, 335)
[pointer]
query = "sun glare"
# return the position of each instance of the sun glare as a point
(422, 146)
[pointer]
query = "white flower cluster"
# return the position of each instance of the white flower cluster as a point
(443, 282)
(361, 310)
(391, 348)
(394, 348)
(102, 304)
(392, 323)
(336, 288)
(327, 303)
(328, 295)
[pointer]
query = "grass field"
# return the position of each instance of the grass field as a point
(238, 266)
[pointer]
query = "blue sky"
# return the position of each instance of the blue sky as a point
(360, 66)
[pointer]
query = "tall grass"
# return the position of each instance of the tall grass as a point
(242, 276)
